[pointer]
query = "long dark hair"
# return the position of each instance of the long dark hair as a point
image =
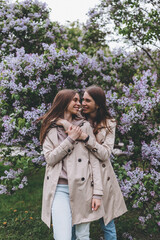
(59, 105)
(103, 114)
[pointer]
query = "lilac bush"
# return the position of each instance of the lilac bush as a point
(28, 84)
(27, 24)
(34, 69)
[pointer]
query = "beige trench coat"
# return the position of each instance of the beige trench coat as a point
(113, 200)
(81, 163)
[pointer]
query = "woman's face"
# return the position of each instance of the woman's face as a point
(74, 105)
(88, 104)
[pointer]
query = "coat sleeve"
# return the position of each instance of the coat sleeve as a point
(103, 149)
(97, 178)
(53, 154)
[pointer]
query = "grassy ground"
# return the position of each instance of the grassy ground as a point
(20, 216)
(20, 213)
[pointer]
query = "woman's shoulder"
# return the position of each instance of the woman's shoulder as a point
(51, 131)
(111, 122)
(85, 123)
(105, 129)
(108, 124)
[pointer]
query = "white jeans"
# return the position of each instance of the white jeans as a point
(62, 218)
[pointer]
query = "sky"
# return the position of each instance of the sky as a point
(70, 10)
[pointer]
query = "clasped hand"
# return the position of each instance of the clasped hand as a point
(74, 132)
(70, 128)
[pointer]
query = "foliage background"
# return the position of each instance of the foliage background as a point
(39, 57)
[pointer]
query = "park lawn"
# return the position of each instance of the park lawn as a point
(20, 216)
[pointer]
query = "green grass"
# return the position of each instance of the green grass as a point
(29, 197)
(20, 216)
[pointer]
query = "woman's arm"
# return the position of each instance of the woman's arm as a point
(97, 179)
(53, 154)
(102, 149)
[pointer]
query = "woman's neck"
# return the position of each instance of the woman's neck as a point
(91, 120)
(68, 116)
(92, 116)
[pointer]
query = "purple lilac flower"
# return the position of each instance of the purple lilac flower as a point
(127, 236)
(3, 189)
(39, 160)
(127, 166)
(142, 220)
(151, 152)
(157, 207)
(21, 186)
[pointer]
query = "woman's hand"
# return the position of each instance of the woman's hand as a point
(83, 136)
(74, 132)
(67, 125)
(95, 204)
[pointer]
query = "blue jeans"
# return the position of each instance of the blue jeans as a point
(82, 231)
(109, 230)
(61, 214)
(62, 217)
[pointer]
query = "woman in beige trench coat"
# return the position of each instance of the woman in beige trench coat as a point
(72, 182)
(94, 110)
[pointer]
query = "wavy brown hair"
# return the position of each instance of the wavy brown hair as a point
(102, 115)
(59, 105)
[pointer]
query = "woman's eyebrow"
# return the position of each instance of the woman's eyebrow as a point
(76, 98)
(86, 99)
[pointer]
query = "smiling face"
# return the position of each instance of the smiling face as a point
(74, 105)
(88, 105)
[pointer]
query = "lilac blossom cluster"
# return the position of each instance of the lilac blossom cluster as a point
(142, 187)
(127, 236)
(135, 177)
(141, 103)
(143, 220)
(151, 152)
(12, 174)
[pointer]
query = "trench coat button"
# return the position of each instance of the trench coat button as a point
(47, 177)
(82, 178)
(108, 178)
(79, 160)
(92, 184)
(89, 162)
(103, 165)
(94, 149)
(69, 150)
